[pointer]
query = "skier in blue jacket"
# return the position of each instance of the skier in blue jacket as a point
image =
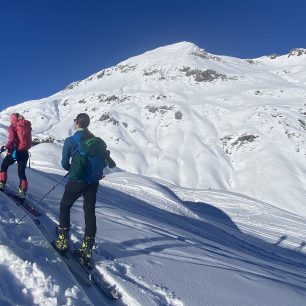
(78, 185)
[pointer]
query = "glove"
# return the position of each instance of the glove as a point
(3, 148)
(110, 162)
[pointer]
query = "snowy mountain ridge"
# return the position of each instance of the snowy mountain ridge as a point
(195, 119)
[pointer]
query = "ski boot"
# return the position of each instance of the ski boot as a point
(3, 178)
(61, 243)
(85, 251)
(22, 189)
(21, 194)
(2, 186)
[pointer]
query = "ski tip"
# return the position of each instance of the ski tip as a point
(114, 293)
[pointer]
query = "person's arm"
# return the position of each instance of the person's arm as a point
(11, 138)
(66, 154)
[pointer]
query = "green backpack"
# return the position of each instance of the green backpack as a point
(89, 161)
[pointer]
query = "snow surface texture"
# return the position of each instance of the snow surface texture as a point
(194, 119)
(160, 243)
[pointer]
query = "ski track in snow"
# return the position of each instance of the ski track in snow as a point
(259, 252)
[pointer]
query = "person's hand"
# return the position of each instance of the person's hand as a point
(3, 148)
(110, 162)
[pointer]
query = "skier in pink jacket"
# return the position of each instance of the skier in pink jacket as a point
(17, 146)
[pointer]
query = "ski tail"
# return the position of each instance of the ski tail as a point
(22, 203)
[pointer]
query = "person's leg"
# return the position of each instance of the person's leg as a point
(22, 159)
(73, 191)
(89, 208)
(7, 161)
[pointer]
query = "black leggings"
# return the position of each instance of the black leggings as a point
(21, 158)
(73, 191)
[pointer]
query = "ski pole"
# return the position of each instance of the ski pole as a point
(43, 197)
(30, 159)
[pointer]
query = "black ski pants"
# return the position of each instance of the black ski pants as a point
(21, 158)
(73, 191)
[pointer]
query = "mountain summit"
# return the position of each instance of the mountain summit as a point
(195, 119)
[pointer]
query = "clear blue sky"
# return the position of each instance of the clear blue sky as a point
(47, 44)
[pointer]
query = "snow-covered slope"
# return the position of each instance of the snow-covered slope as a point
(162, 245)
(194, 119)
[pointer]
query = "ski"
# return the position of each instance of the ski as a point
(111, 291)
(99, 280)
(86, 275)
(22, 203)
(74, 266)
(67, 257)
